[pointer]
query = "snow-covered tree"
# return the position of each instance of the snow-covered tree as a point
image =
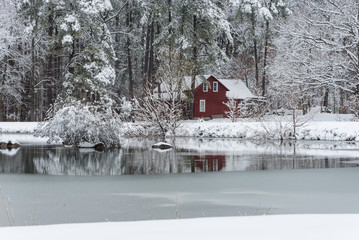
(253, 31)
(82, 123)
(199, 25)
(14, 63)
(34, 13)
(162, 108)
(233, 109)
(86, 38)
(317, 53)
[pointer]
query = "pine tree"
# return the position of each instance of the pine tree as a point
(85, 99)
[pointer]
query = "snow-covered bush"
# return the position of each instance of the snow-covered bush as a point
(78, 123)
(126, 109)
(245, 108)
(162, 108)
(160, 117)
(233, 109)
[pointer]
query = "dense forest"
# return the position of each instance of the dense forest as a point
(54, 53)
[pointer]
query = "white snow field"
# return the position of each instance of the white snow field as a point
(279, 227)
(325, 131)
(315, 126)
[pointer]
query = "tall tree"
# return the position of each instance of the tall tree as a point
(318, 52)
(255, 34)
(85, 95)
(13, 61)
(35, 13)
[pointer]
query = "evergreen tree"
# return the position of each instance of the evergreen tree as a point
(85, 97)
(255, 33)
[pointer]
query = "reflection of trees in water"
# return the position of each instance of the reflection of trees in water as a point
(278, 162)
(142, 159)
(60, 160)
(73, 161)
(149, 161)
(21, 162)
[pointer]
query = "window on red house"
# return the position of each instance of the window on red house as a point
(202, 105)
(215, 86)
(205, 87)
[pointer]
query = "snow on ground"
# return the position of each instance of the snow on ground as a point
(238, 146)
(330, 131)
(23, 138)
(275, 227)
(17, 127)
(314, 126)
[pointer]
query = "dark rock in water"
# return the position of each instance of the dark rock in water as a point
(67, 144)
(9, 145)
(99, 147)
(162, 145)
(12, 146)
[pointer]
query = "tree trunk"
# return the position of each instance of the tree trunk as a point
(341, 102)
(2, 118)
(151, 63)
(325, 101)
(194, 68)
(128, 50)
(256, 60)
(2, 97)
(32, 94)
(146, 60)
(266, 42)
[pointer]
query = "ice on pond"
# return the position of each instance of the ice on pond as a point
(212, 178)
(70, 199)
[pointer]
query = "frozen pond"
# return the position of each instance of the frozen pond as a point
(200, 178)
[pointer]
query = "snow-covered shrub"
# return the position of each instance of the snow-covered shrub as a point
(354, 105)
(233, 109)
(160, 117)
(162, 108)
(126, 109)
(78, 123)
(243, 109)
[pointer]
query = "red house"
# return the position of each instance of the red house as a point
(210, 94)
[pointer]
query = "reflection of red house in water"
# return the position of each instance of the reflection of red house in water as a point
(210, 163)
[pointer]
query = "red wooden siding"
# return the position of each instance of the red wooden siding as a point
(214, 100)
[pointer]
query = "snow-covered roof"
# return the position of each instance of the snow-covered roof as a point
(186, 85)
(199, 80)
(237, 89)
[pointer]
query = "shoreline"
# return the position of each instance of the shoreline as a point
(269, 130)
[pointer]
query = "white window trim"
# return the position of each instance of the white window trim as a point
(202, 105)
(215, 86)
(205, 87)
(232, 103)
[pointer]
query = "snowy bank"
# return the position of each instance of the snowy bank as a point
(17, 127)
(277, 227)
(328, 131)
(316, 129)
